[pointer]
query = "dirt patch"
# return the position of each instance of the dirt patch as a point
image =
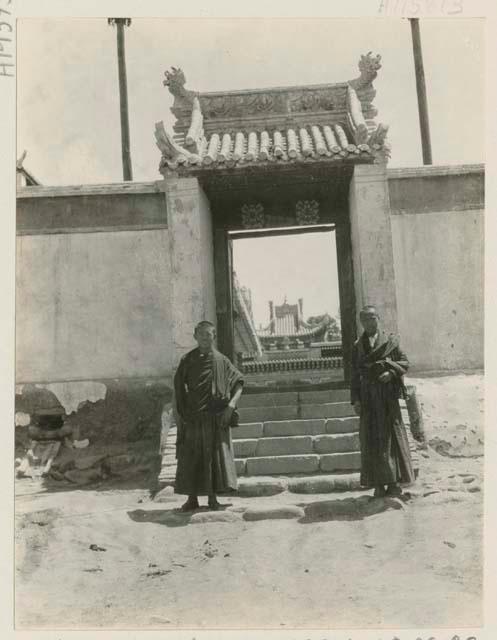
(343, 565)
(453, 413)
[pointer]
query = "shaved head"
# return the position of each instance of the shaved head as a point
(369, 310)
(204, 323)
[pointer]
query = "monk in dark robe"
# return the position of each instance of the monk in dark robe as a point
(377, 384)
(207, 388)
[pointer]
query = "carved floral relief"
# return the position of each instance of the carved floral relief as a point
(253, 216)
(307, 212)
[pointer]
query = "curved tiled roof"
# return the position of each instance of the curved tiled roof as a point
(282, 145)
(313, 123)
(286, 327)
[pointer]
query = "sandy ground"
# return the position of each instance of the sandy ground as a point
(112, 557)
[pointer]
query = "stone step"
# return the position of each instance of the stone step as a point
(268, 399)
(294, 428)
(299, 464)
(294, 412)
(320, 397)
(293, 445)
(327, 410)
(263, 414)
(293, 397)
(312, 427)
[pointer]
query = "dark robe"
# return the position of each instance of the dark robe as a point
(385, 455)
(203, 386)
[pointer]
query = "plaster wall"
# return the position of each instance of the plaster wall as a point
(93, 305)
(372, 254)
(192, 261)
(438, 259)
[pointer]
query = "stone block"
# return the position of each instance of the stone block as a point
(340, 462)
(203, 517)
(294, 428)
(280, 465)
(260, 486)
(248, 430)
(288, 511)
(342, 425)
(327, 410)
(268, 399)
(337, 443)
(323, 397)
(265, 414)
(244, 448)
(353, 508)
(284, 446)
(325, 484)
(240, 466)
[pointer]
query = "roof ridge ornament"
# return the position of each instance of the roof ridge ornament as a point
(369, 66)
(279, 125)
(175, 81)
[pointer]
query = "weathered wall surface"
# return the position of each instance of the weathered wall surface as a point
(437, 224)
(111, 281)
(192, 259)
(93, 305)
(94, 316)
(374, 277)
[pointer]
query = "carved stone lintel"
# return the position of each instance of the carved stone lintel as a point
(313, 101)
(285, 102)
(307, 212)
(253, 216)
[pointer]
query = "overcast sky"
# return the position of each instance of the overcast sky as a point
(68, 114)
(292, 266)
(68, 106)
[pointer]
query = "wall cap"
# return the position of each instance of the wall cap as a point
(118, 188)
(434, 170)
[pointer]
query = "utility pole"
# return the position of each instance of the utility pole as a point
(424, 123)
(120, 23)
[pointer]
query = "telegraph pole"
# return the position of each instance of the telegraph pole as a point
(424, 123)
(120, 23)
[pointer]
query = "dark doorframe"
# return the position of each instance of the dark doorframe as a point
(223, 268)
(346, 292)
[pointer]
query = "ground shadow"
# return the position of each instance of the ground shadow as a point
(348, 508)
(169, 517)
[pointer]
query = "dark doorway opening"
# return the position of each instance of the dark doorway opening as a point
(283, 296)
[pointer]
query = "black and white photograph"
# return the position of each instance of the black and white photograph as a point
(249, 321)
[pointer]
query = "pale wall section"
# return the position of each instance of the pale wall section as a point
(371, 236)
(93, 305)
(192, 259)
(438, 241)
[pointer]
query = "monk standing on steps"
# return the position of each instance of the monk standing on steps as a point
(377, 383)
(207, 388)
